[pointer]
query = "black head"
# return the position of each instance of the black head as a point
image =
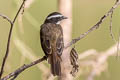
(55, 17)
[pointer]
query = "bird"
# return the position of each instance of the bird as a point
(52, 42)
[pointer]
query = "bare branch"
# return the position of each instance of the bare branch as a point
(96, 26)
(22, 6)
(22, 68)
(111, 33)
(6, 18)
(15, 76)
(9, 38)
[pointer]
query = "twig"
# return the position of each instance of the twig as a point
(111, 33)
(5, 17)
(22, 5)
(96, 26)
(9, 37)
(14, 77)
(22, 68)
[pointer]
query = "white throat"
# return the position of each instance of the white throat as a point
(58, 22)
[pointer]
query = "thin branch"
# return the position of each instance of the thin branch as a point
(96, 26)
(15, 76)
(22, 68)
(6, 18)
(9, 38)
(111, 33)
(22, 5)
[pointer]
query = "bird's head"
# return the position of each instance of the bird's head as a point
(55, 17)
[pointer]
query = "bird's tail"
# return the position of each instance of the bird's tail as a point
(55, 62)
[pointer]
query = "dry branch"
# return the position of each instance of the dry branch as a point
(28, 53)
(96, 26)
(24, 67)
(9, 37)
(111, 33)
(6, 18)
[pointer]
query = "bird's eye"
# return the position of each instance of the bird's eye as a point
(59, 18)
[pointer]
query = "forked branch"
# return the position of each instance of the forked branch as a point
(96, 26)
(9, 37)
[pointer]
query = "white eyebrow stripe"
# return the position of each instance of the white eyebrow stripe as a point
(54, 16)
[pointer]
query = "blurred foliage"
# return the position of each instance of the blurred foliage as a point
(85, 14)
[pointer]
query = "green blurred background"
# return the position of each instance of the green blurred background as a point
(85, 14)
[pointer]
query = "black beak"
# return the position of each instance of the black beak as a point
(65, 17)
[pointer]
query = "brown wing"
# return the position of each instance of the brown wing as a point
(45, 41)
(60, 42)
